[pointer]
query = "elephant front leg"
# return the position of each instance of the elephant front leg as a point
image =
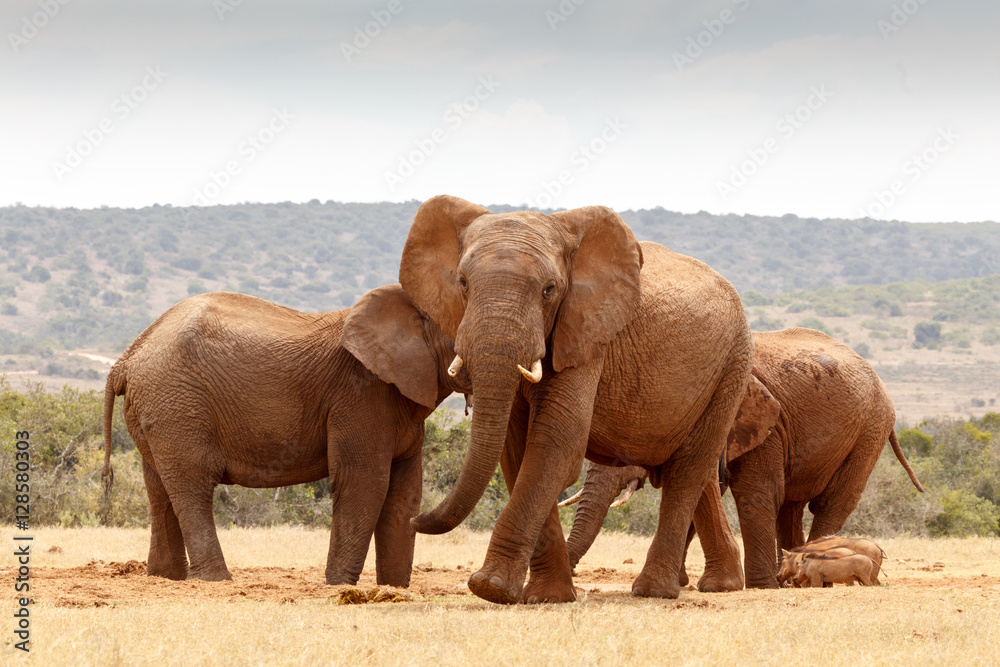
(551, 577)
(358, 490)
(528, 530)
(394, 536)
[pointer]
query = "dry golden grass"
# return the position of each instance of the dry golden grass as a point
(927, 614)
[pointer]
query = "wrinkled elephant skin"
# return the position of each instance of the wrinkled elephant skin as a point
(229, 389)
(819, 449)
(644, 357)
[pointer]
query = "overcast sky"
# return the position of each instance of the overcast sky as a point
(842, 108)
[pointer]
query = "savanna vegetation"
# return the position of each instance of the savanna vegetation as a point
(958, 461)
(73, 278)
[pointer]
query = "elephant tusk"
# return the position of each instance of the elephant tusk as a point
(456, 366)
(633, 485)
(535, 374)
(575, 498)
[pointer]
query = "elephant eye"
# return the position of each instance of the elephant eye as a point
(461, 283)
(548, 291)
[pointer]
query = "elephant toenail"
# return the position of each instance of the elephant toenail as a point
(636, 592)
(478, 576)
(533, 599)
(496, 581)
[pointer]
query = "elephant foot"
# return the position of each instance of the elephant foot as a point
(211, 575)
(490, 586)
(397, 576)
(720, 582)
(334, 578)
(771, 582)
(649, 586)
(682, 578)
(174, 571)
(549, 589)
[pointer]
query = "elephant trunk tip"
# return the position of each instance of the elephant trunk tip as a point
(429, 523)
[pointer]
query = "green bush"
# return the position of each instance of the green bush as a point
(915, 442)
(928, 335)
(38, 274)
(990, 336)
(963, 514)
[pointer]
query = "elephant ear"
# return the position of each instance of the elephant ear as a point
(428, 267)
(603, 294)
(385, 333)
(758, 413)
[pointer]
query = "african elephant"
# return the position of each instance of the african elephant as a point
(643, 367)
(834, 418)
(227, 388)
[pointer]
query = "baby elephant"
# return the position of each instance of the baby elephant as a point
(230, 389)
(815, 570)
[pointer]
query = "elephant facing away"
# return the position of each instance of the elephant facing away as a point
(579, 341)
(227, 388)
(834, 419)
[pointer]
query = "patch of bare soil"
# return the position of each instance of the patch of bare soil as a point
(100, 584)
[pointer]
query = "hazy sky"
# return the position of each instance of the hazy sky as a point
(842, 108)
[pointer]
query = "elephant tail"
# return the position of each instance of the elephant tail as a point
(902, 459)
(114, 387)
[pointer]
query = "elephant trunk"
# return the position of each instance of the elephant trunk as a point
(599, 488)
(492, 366)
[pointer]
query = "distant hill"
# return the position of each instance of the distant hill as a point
(95, 278)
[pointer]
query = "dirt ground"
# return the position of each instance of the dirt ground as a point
(99, 584)
(95, 605)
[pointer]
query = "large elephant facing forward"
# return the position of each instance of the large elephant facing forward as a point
(572, 351)
(230, 389)
(834, 419)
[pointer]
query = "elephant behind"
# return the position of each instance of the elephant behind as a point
(227, 388)
(834, 418)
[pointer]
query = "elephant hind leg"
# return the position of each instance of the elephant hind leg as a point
(167, 557)
(685, 476)
(832, 507)
(191, 491)
(194, 514)
(790, 534)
